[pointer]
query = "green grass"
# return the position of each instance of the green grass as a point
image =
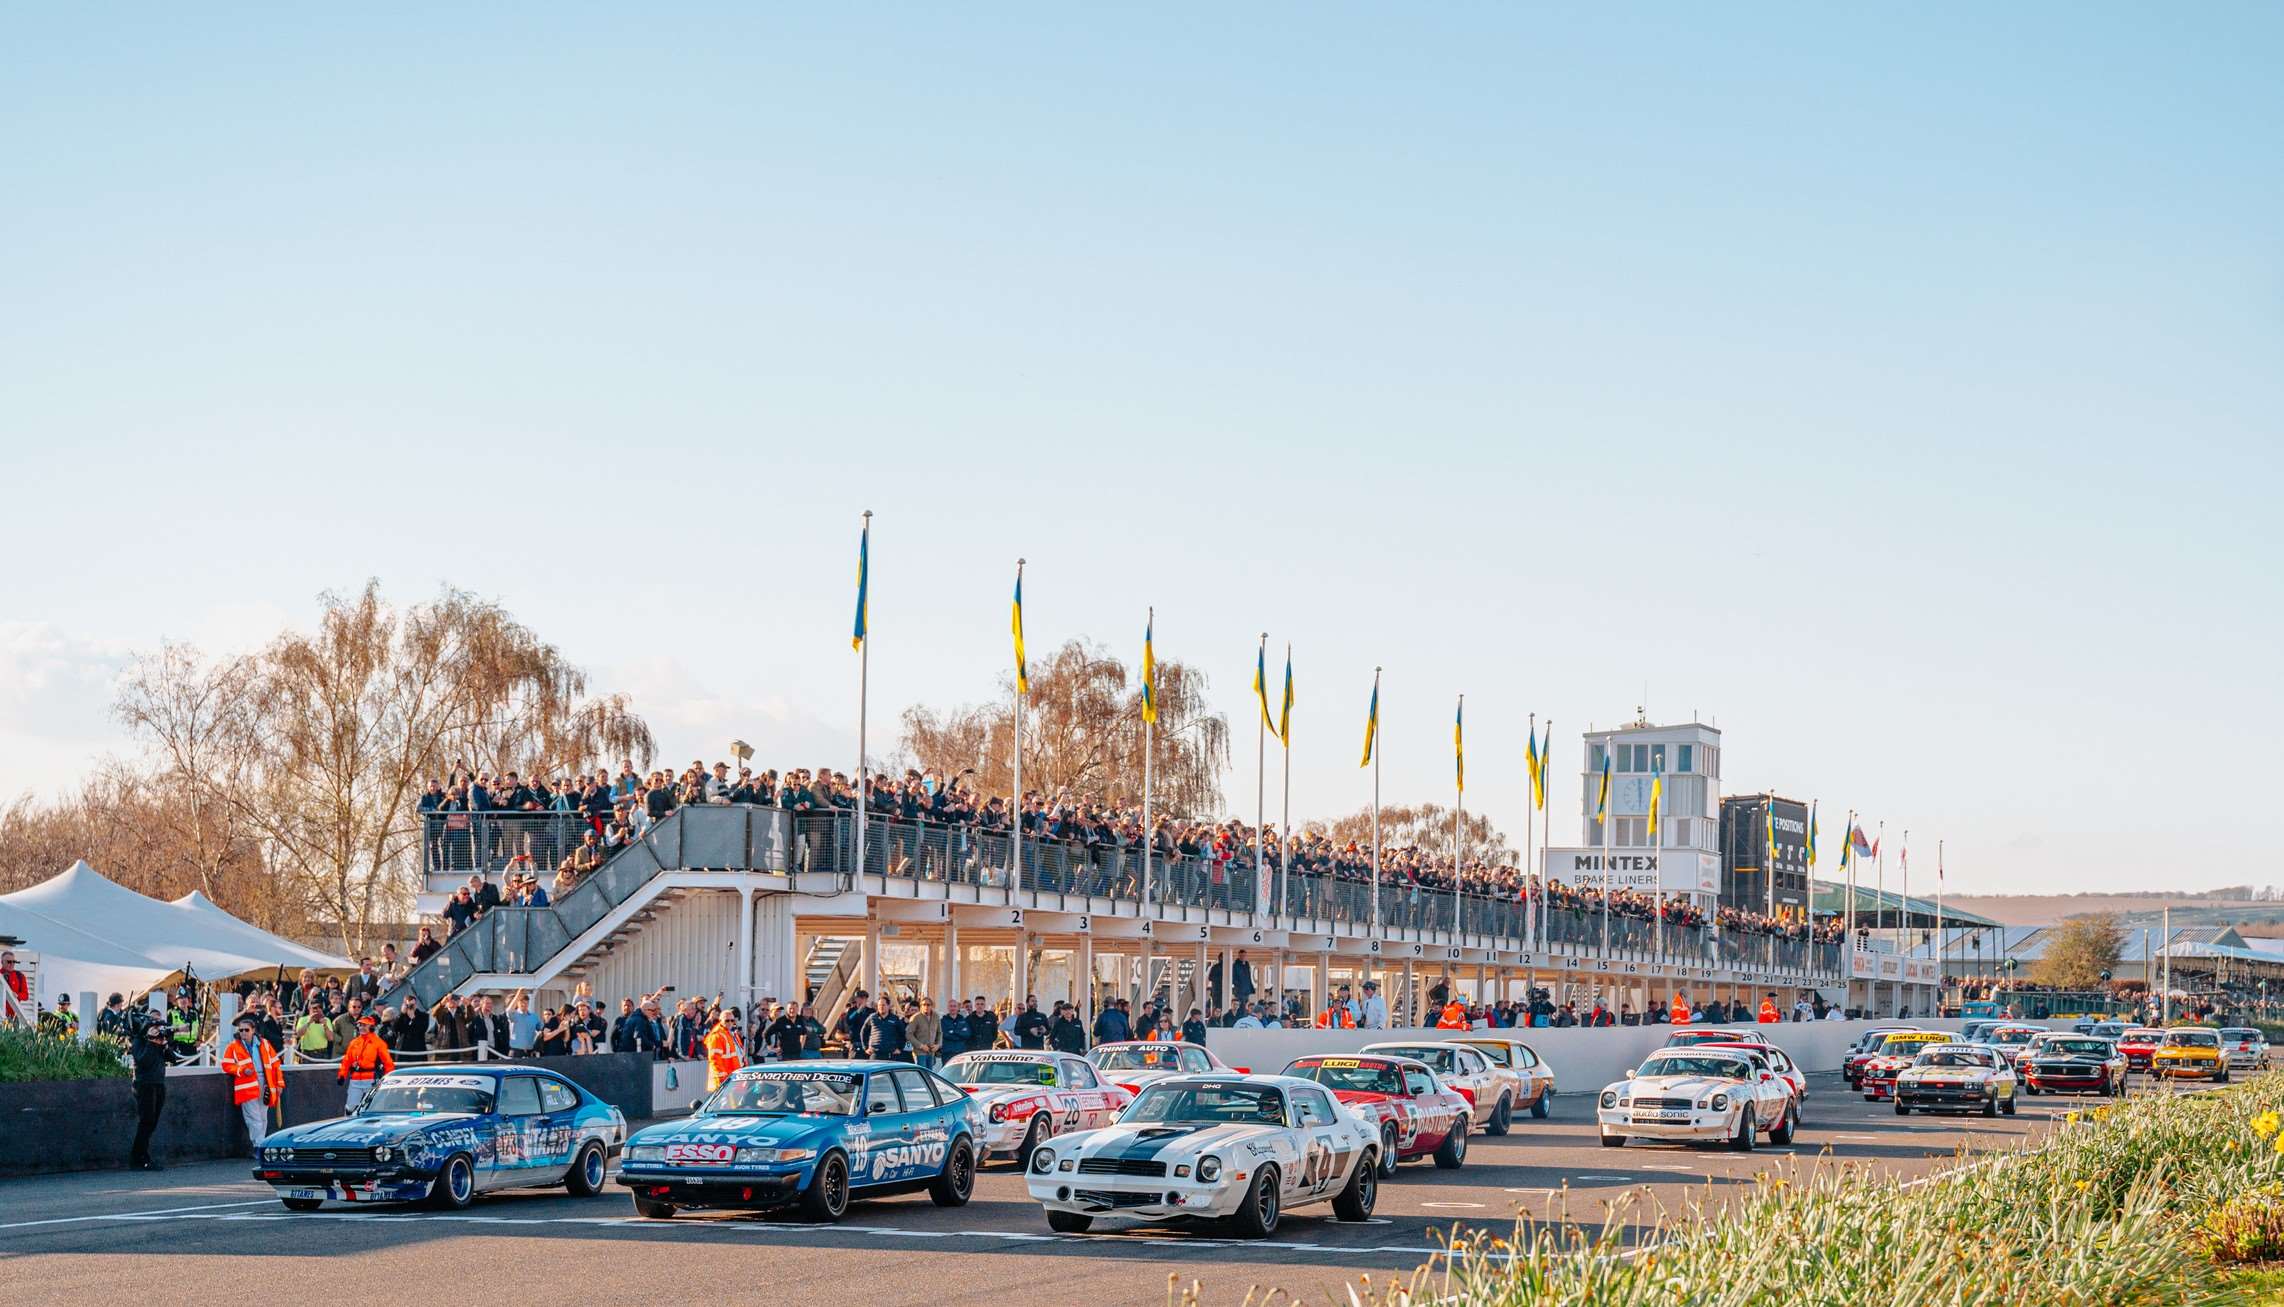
(2104, 1211)
(26, 1055)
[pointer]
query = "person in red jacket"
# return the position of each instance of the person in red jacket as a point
(257, 1082)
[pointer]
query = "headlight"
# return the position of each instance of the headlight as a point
(1720, 1102)
(999, 1111)
(1209, 1168)
(382, 1153)
(647, 1153)
(1042, 1160)
(1609, 1098)
(776, 1154)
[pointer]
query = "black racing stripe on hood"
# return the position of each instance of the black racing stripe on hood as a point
(1143, 1147)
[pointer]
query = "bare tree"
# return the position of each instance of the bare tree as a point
(1082, 735)
(139, 832)
(1426, 826)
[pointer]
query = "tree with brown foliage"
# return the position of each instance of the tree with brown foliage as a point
(1082, 735)
(2079, 950)
(146, 833)
(1425, 826)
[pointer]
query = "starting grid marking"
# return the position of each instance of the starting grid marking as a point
(1143, 1237)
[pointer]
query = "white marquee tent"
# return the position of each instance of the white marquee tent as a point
(91, 934)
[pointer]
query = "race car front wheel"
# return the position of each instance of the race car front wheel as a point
(1786, 1127)
(455, 1185)
(957, 1180)
(1539, 1105)
(1042, 1129)
(651, 1210)
(1746, 1137)
(1355, 1202)
(302, 1204)
(1258, 1215)
(586, 1175)
(1069, 1222)
(828, 1193)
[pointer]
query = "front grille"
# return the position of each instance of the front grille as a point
(1107, 1198)
(1120, 1166)
(1661, 1104)
(327, 1157)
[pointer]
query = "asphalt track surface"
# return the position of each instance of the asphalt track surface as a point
(211, 1234)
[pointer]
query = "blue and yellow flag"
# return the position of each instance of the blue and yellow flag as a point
(1538, 773)
(1602, 798)
(1459, 743)
(1285, 708)
(864, 582)
(1812, 837)
(1261, 685)
(1772, 833)
(1372, 724)
(1657, 792)
(1149, 672)
(1022, 668)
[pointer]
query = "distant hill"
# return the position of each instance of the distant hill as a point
(2230, 907)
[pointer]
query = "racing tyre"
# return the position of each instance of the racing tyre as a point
(828, 1193)
(957, 1180)
(1453, 1150)
(1540, 1104)
(1900, 1109)
(1502, 1116)
(1747, 1137)
(650, 1210)
(1042, 1129)
(1388, 1154)
(455, 1185)
(1786, 1128)
(1354, 1203)
(1258, 1215)
(1990, 1107)
(2222, 1078)
(1069, 1222)
(586, 1175)
(2007, 1107)
(2030, 1089)
(302, 1204)
(1613, 1141)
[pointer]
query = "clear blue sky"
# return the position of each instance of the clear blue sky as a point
(1900, 389)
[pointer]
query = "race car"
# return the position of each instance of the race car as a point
(1953, 1077)
(2072, 1064)
(1400, 1099)
(1774, 1058)
(1877, 1077)
(1133, 1063)
(2138, 1044)
(1864, 1050)
(1030, 1095)
(2010, 1039)
(2192, 1052)
(1698, 1096)
(1238, 1150)
(1469, 1071)
(803, 1133)
(446, 1134)
(2247, 1048)
(1517, 1063)
(1713, 1035)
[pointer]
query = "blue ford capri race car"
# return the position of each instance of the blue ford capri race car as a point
(446, 1134)
(803, 1134)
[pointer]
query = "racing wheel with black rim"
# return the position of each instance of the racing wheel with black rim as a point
(1258, 1215)
(1355, 1202)
(652, 1210)
(2008, 1106)
(1453, 1150)
(828, 1193)
(1539, 1105)
(1745, 1139)
(1501, 1117)
(455, 1185)
(302, 1204)
(956, 1181)
(586, 1175)
(1069, 1222)
(1042, 1129)
(1786, 1127)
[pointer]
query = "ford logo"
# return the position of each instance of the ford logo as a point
(329, 1157)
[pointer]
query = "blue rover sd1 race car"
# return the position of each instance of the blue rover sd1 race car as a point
(809, 1134)
(446, 1134)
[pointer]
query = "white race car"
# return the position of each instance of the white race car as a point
(1133, 1063)
(1698, 1096)
(1466, 1069)
(1237, 1149)
(1028, 1097)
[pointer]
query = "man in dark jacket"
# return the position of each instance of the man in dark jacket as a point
(955, 1029)
(446, 1025)
(854, 1021)
(784, 1033)
(1032, 1025)
(1110, 1024)
(410, 1032)
(1064, 1033)
(151, 1060)
(884, 1034)
(1193, 1029)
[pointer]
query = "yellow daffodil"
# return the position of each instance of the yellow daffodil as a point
(2085, 1185)
(2070, 1118)
(2280, 1145)
(2267, 1124)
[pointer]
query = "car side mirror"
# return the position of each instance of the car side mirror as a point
(1242, 1070)
(1768, 1075)
(1632, 1071)
(697, 1105)
(876, 1109)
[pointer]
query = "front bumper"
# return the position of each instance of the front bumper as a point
(730, 1188)
(2246, 1061)
(1700, 1126)
(2199, 1070)
(1150, 1198)
(1944, 1097)
(2064, 1082)
(368, 1187)
(1877, 1086)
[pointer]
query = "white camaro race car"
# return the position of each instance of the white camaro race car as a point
(1698, 1096)
(1028, 1096)
(1236, 1149)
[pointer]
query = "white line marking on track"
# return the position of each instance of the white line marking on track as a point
(1466, 1205)
(116, 1216)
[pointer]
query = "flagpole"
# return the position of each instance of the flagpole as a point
(1148, 738)
(1768, 872)
(1376, 803)
(1546, 802)
(1879, 873)
(1942, 963)
(1261, 780)
(1905, 857)
(1531, 906)
(1285, 819)
(1459, 808)
(1609, 780)
(864, 692)
(1848, 860)
(1015, 874)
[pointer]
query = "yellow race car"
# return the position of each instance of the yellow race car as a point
(2190, 1052)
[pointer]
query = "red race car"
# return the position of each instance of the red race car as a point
(1877, 1079)
(2138, 1044)
(1416, 1114)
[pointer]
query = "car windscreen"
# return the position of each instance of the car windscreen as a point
(2014, 1036)
(987, 1070)
(1212, 1104)
(1899, 1046)
(787, 1093)
(1696, 1064)
(2237, 1034)
(1352, 1074)
(1442, 1059)
(431, 1094)
(1139, 1057)
(2192, 1039)
(2076, 1048)
(1951, 1058)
